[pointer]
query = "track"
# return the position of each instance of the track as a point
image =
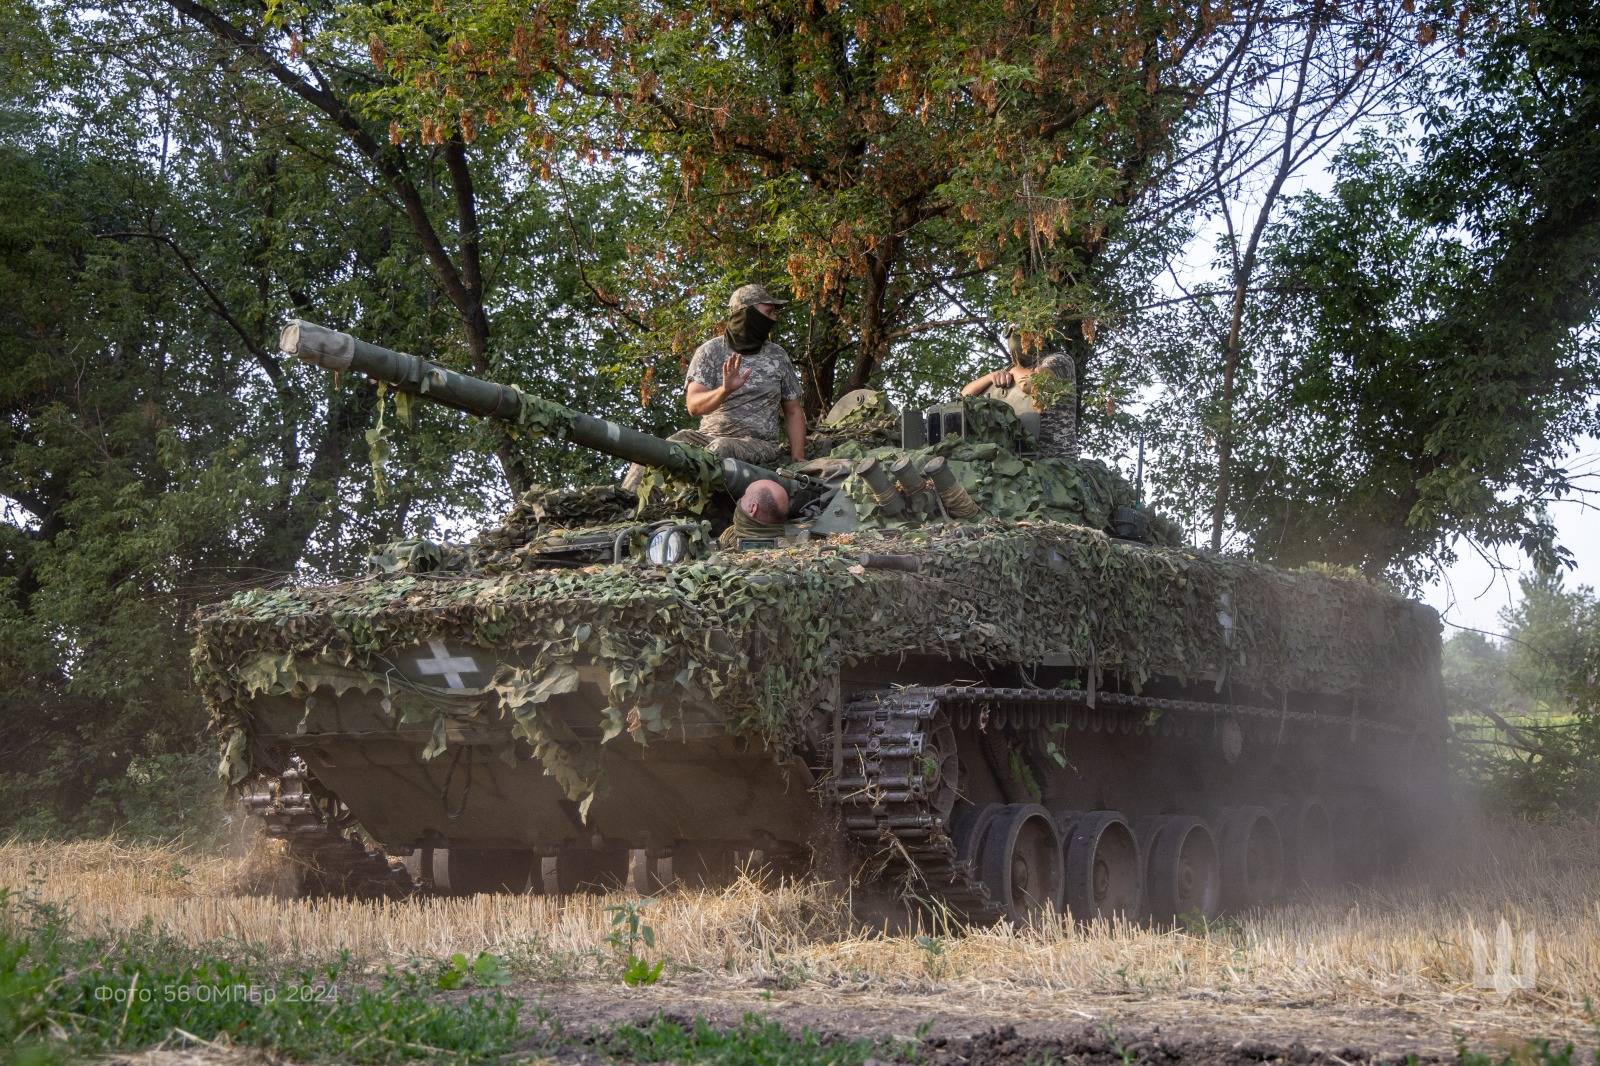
(897, 782)
(331, 860)
(896, 790)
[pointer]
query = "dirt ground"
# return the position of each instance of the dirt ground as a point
(1044, 1027)
(1366, 973)
(1012, 1030)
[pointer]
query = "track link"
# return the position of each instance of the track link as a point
(892, 800)
(332, 861)
(1124, 713)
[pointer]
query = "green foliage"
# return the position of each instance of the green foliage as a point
(486, 970)
(918, 174)
(64, 996)
(1543, 679)
(1396, 314)
(1531, 1053)
(1477, 675)
(1022, 775)
(111, 515)
(755, 1041)
(1419, 350)
(628, 931)
(156, 453)
(933, 954)
(1055, 751)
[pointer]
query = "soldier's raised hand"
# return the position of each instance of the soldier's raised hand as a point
(1001, 379)
(734, 375)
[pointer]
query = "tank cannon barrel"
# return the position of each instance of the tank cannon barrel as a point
(333, 350)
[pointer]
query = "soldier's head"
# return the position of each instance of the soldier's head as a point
(752, 311)
(757, 296)
(1022, 357)
(766, 502)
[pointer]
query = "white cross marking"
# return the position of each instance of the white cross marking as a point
(446, 665)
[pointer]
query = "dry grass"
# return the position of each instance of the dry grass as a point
(1410, 940)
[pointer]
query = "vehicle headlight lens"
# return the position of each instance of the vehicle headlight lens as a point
(666, 547)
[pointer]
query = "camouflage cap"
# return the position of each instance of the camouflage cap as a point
(750, 295)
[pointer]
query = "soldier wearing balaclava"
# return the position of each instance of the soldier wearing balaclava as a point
(744, 388)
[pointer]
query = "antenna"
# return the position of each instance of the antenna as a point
(1138, 470)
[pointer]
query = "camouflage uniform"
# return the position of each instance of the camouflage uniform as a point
(1058, 422)
(747, 423)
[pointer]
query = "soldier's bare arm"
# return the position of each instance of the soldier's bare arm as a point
(1000, 379)
(794, 426)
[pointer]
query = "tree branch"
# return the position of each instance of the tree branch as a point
(382, 158)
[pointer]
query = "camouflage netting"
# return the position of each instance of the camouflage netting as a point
(1081, 491)
(873, 424)
(681, 641)
(542, 507)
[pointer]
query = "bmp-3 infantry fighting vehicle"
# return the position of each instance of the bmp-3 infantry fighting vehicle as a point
(965, 657)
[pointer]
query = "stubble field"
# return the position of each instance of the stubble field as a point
(1491, 939)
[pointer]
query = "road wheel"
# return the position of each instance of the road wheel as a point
(1103, 878)
(1021, 862)
(1183, 874)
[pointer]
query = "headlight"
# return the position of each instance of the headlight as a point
(667, 547)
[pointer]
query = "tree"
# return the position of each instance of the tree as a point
(1334, 74)
(1422, 335)
(156, 451)
(438, 190)
(1547, 670)
(1477, 678)
(920, 172)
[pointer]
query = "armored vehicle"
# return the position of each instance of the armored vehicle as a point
(965, 658)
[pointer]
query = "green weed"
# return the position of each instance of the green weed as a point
(1533, 1053)
(65, 997)
(932, 948)
(628, 931)
(485, 971)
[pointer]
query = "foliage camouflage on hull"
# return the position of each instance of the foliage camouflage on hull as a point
(678, 642)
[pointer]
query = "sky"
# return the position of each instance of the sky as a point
(1473, 592)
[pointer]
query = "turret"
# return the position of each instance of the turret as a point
(333, 350)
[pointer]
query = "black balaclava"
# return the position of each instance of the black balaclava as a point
(1027, 360)
(748, 329)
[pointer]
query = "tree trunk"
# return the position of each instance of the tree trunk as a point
(818, 360)
(1241, 285)
(1230, 364)
(873, 342)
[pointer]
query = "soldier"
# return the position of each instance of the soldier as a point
(1055, 394)
(739, 384)
(1022, 367)
(765, 503)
